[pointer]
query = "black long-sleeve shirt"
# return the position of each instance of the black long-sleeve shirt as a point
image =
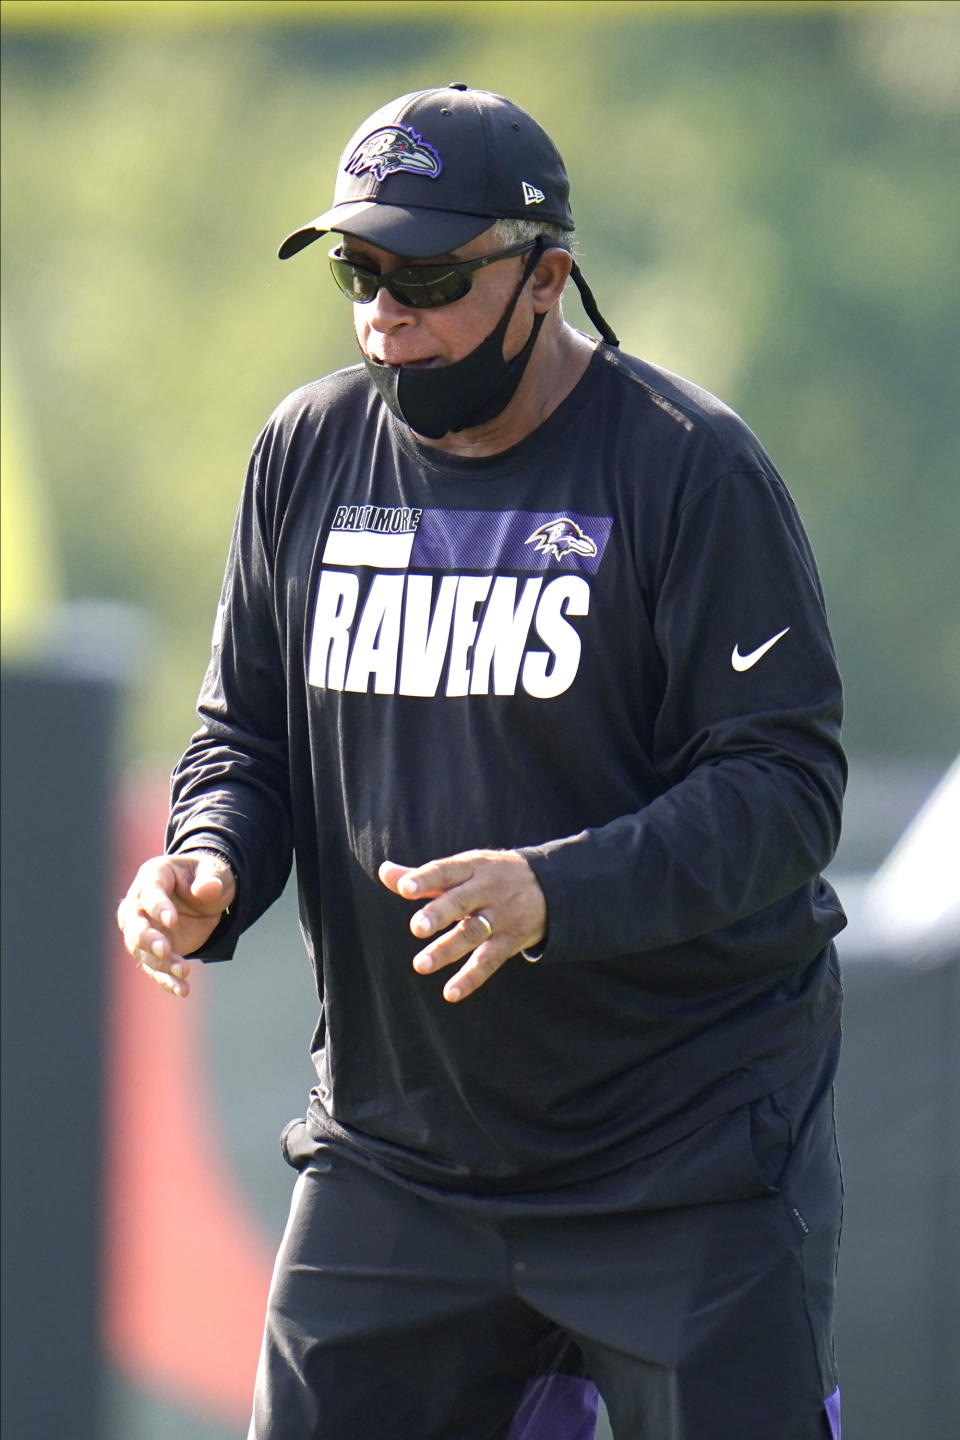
(605, 647)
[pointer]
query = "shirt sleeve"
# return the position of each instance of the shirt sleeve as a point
(231, 791)
(747, 742)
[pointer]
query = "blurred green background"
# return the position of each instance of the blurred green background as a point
(767, 202)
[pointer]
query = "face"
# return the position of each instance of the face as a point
(396, 335)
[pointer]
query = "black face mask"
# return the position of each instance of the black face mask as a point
(469, 392)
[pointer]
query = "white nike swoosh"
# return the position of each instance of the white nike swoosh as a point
(743, 662)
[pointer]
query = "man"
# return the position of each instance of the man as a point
(525, 635)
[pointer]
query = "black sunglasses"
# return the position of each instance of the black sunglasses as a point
(421, 287)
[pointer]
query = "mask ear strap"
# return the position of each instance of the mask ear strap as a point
(528, 270)
(590, 305)
(532, 261)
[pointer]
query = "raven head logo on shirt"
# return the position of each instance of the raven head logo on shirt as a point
(562, 537)
(391, 148)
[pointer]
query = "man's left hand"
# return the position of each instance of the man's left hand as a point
(463, 891)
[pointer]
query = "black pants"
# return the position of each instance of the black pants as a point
(403, 1316)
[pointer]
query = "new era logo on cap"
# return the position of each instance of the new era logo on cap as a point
(531, 195)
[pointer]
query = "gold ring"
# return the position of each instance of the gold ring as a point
(485, 923)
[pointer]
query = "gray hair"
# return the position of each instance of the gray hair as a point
(515, 232)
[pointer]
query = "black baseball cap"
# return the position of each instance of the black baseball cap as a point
(430, 171)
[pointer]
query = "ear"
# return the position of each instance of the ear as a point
(550, 276)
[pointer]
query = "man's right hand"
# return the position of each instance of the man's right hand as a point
(171, 909)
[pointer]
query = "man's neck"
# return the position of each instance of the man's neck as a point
(558, 362)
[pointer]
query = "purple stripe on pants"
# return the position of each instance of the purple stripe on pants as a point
(557, 1407)
(832, 1407)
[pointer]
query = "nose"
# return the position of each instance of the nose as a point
(386, 314)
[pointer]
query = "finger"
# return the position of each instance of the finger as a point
(459, 904)
(149, 946)
(213, 881)
(173, 984)
(435, 877)
(467, 936)
(391, 874)
(154, 949)
(154, 899)
(138, 931)
(483, 963)
(410, 881)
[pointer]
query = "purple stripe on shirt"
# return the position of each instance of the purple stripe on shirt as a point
(832, 1407)
(534, 540)
(556, 1407)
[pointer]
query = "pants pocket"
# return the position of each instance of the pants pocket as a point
(812, 1190)
(297, 1145)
